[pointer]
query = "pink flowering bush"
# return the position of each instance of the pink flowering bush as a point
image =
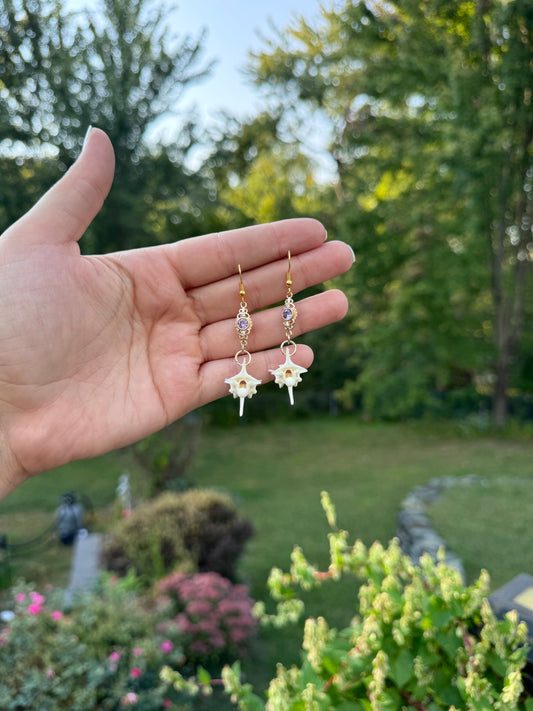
(212, 616)
(99, 654)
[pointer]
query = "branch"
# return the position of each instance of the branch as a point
(413, 702)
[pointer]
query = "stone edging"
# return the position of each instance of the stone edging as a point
(414, 529)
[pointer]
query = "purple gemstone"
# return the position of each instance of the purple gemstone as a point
(286, 314)
(243, 324)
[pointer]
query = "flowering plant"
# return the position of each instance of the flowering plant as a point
(421, 640)
(212, 616)
(99, 654)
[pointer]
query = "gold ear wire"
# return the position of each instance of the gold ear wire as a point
(242, 293)
(288, 282)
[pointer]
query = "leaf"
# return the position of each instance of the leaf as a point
(401, 668)
(444, 691)
(497, 663)
(350, 706)
(441, 618)
(204, 677)
(309, 676)
(254, 703)
(449, 642)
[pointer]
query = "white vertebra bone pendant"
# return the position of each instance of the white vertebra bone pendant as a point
(288, 374)
(242, 385)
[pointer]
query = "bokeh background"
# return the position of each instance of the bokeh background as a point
(407, 129)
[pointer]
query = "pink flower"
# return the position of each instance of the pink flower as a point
(130, 699)
(20, 597)
(136, 672)
(114, 656)
(238, 635)
(167, 646)
(199, 607)
(167, 703)
(137, 652)
(185, 625)
(50, 673)
(36, 598)
(34, 608)
(126, 513)
(56, 615)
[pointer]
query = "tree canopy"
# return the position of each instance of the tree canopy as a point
(118, 67)
(430, 111)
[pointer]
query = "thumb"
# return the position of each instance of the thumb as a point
(68, 208)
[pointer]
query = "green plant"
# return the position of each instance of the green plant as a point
(421, 640)
(197, 530)
(101, 654)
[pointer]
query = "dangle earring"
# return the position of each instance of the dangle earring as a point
(242, 385)
(288, 373)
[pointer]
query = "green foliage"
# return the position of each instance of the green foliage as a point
(118, 67)
(431, 131)
(100, 654)
(263, 177)
(420, 640)
(198, 530)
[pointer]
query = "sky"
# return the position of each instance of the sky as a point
(233, 27)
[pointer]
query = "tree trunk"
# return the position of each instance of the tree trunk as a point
(499, 400)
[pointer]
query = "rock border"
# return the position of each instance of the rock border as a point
(414, 528)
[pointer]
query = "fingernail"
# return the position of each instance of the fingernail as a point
(86, 139)
(353, 254)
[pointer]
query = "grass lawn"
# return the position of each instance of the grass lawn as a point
(276, 472)
(498, 537)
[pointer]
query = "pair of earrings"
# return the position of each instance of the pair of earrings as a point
(243, 384)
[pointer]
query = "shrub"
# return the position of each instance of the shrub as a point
(213, 616)
(198, 530)
(100, 655)
(421, 640)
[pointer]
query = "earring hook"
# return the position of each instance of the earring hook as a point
(242, 293)
(289, 280)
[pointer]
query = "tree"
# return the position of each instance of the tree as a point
(432, 129)
(118, 68)
(262, 174)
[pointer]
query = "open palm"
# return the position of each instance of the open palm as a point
(99, 351)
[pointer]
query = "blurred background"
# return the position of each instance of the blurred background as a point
(409, 134)
(407, 129)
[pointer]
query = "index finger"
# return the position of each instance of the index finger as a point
(203, 260)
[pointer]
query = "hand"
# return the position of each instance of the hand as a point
(97, 352)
